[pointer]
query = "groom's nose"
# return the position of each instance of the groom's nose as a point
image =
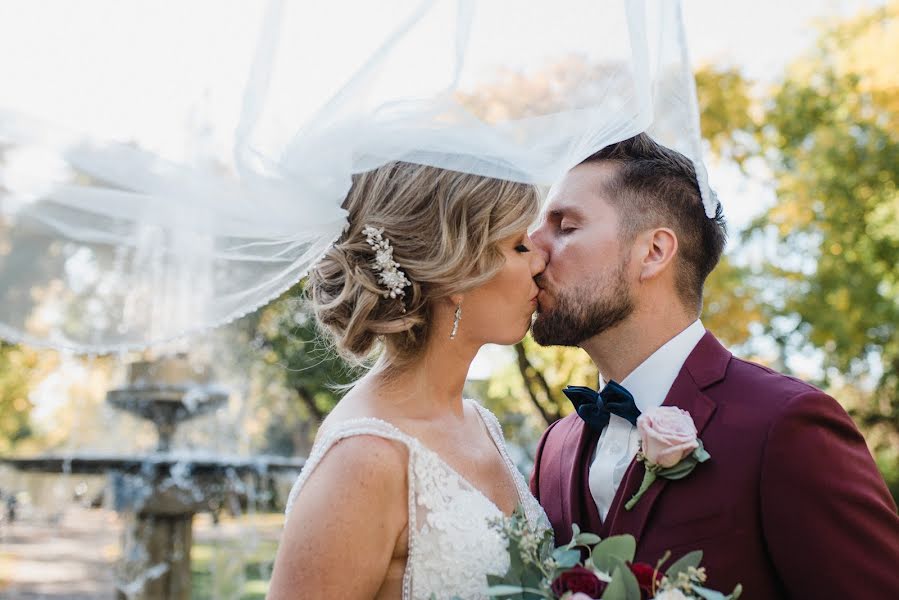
(540, 240)
(538, 262)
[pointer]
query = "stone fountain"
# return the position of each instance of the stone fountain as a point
(161, 492)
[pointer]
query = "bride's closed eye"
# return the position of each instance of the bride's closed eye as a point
(522, 248)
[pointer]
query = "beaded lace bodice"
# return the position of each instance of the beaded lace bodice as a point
(451, 548)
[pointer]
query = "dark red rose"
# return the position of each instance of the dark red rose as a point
(578, 579)
(647, 577)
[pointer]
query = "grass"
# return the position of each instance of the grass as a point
(230, 568)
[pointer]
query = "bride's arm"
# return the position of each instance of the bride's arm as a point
(343, 527)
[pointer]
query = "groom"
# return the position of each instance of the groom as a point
(790, 504)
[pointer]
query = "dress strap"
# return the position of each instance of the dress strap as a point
(532, 511)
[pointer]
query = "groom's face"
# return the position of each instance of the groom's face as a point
(585, 288)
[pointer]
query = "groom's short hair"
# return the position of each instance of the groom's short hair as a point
(655, 186)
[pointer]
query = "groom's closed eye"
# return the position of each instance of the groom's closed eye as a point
(564, 221)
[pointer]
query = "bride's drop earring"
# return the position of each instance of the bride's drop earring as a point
(456, 321)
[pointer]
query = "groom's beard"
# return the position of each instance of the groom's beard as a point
(584, 312)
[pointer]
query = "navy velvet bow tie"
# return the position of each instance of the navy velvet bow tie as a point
(595, 408)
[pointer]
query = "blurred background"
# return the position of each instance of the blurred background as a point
(800, 112)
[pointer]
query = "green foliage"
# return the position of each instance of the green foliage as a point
(230, 570)
(296, 358)
(16, 367)
(684, 563)
(726, 107)
(608, 566)
(831, 139)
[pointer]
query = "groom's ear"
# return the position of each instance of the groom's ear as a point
(657, 248)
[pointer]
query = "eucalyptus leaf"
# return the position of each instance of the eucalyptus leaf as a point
(608, 564)
(708, 594)
(692, 559)
(620, 546)
(504, 590)
(617, 589)
(623, 586)
(532, 578)
(516, 565)
(547, 546)
(630, 582)
(588, 539)
(575, 532)
(567, 558)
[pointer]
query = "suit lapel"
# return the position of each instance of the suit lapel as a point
(575, 485)
(706, 365)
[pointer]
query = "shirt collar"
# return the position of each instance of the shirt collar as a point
(652, 379)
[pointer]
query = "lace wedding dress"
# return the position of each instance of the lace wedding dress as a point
(451, 548)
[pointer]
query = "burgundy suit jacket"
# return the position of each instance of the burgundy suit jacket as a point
(790, 504)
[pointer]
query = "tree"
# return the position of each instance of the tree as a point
(830, 133)
(296, 375)
(16, 365)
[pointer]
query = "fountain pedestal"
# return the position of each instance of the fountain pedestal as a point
(161, 544)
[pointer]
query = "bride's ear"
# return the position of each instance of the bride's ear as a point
(456, 299)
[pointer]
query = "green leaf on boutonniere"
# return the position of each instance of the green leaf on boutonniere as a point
(682, 565)
(700, 454)
(678, 471)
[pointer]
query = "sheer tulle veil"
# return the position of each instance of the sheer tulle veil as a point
(112, 243)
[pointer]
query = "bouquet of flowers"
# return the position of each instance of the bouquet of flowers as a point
(539, 571)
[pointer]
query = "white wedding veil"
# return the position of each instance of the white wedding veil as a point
(110, 240)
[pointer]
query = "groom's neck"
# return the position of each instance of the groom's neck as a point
(619, 350)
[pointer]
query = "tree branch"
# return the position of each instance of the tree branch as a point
(309, 402)
(534, 380)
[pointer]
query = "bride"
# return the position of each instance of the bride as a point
(395, 499)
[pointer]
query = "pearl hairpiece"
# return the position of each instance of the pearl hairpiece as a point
(389, 273)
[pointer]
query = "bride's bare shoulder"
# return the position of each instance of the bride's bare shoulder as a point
(372, 451)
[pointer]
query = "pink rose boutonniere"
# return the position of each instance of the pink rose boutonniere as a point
(669, 446)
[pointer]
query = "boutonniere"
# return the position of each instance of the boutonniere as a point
(669, 446)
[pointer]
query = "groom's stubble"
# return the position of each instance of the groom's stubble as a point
(585, 310)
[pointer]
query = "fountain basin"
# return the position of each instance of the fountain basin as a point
(168, 484)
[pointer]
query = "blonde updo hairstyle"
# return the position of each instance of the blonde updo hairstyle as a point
(445, 228)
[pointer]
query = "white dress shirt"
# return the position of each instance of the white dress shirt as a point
(649, 384)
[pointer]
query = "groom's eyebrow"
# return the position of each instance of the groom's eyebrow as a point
(568, 210)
